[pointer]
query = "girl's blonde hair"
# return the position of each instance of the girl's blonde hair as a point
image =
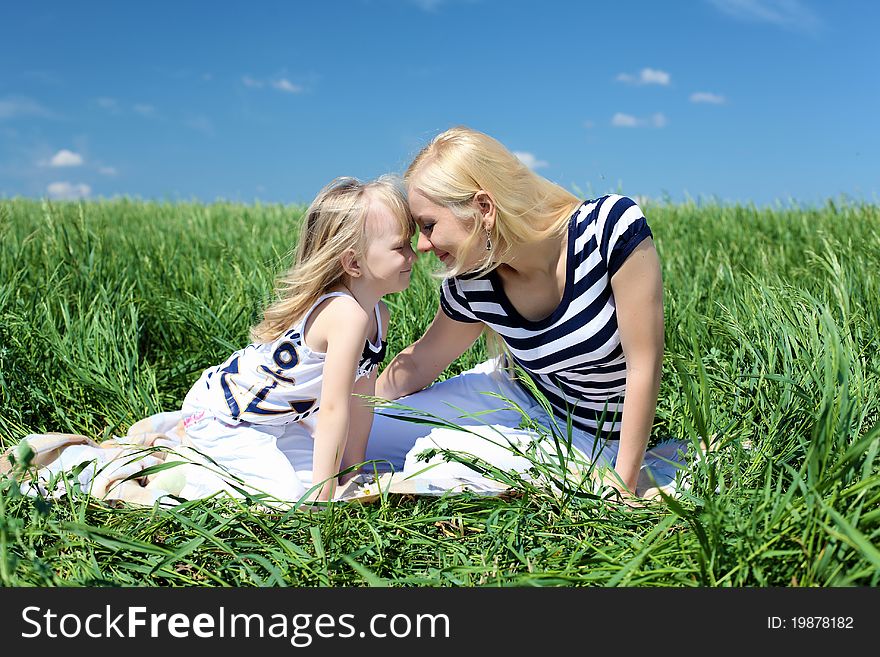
(333, 223)
(460, 162)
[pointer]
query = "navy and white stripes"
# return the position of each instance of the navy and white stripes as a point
(574, 355)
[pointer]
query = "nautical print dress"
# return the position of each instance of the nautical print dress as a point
(253, 417)
(275, 383)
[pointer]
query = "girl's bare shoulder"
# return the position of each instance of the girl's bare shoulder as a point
(339, 315)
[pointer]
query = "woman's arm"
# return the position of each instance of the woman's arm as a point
(345, 325)
(638, 295)
(421, 363)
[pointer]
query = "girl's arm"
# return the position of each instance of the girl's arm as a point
(421, 363)
(638, 295)
(361, 413)
(345, 325)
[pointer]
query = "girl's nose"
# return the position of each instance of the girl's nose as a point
(424, 244)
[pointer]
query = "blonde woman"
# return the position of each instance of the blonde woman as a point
(282, 414)
(571, 290)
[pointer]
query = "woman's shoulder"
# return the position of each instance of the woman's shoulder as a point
(606, 203)
(607, 214)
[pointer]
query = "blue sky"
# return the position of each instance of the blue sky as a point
(758, 101)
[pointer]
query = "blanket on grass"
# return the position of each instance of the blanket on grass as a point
(155, 461)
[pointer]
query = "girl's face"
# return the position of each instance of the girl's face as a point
(442, 232)
(389, 256)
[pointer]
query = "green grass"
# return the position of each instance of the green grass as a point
(109, 310)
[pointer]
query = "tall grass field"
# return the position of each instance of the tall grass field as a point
(109, 310)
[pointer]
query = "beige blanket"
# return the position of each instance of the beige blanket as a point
(150, 465)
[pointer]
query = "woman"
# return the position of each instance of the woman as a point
(571, 288)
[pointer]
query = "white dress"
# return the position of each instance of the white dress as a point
(255, 414)
(246, 426)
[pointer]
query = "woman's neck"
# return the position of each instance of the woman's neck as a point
(545, 256)
(536, 258)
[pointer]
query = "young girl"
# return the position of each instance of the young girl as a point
(283, 414)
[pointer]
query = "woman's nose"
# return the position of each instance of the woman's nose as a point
(424, 244)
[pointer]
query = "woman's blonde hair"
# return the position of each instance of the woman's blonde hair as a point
(461, 162)
(333, 223)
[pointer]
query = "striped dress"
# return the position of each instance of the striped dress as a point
(574, 355)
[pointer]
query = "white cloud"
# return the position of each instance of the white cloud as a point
(13, 107)
(653, 76)
(530, 160)
(202, 124)
(66, 191)
(788, 14)
(113, 106)
(107, 171)
(621, 120)
(283, 84)
(109, 104)
(707, 97)
(646, 76)
(589, 125)
(66, 158)
(43, 77)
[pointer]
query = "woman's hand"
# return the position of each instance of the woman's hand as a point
(628, 496)
(638, 296)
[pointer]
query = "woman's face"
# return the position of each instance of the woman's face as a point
(442, 232)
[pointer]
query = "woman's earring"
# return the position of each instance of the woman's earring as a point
(488, 242)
